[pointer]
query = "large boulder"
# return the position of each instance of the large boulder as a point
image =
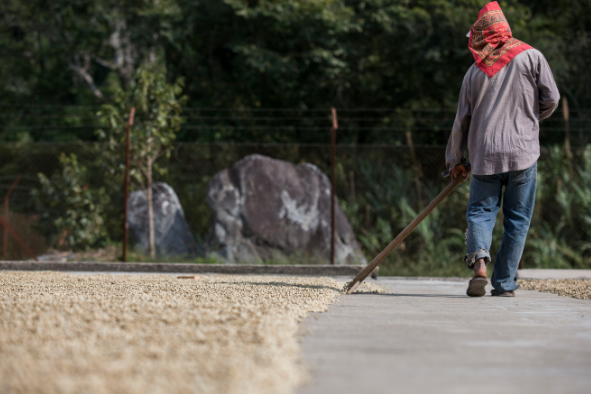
(267, 209)
(171, 231)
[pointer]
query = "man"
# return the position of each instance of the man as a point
(504, 95)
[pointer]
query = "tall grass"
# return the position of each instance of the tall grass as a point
(381, 190)
(559, 237)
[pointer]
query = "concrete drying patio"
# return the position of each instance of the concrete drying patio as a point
(428, 337)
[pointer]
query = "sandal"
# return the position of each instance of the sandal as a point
(503, 294)
(476, 287)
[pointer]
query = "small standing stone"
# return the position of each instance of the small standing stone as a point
(171, 231)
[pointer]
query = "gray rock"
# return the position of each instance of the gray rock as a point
(171, 231)
(267, 209)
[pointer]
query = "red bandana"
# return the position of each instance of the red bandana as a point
(491, 40)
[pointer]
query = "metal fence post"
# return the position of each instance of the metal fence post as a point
(333, 153)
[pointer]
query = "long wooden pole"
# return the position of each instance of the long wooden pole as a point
(6, 209)
(126, 184)
(333, 191)
(351, 286)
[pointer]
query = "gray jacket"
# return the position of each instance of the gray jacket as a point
(498, 118)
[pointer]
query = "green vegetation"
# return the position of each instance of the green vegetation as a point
(267, 71)
(65, 58)
(380, 190)
(157, 106)
(559, 235)
(72, 214)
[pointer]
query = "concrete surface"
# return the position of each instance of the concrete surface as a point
(553, 274)
(428, 337)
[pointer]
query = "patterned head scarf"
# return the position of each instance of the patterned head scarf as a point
(491, 40)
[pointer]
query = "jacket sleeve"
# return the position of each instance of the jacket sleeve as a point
(458, 139)
(548, 92)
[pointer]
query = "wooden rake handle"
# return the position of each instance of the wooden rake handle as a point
(351, 286)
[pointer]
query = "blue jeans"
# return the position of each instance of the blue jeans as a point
(486, 194)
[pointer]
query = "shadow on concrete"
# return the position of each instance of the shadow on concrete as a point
(416, 295)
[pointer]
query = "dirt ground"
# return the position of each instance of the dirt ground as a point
(65, 333)
(576, 288)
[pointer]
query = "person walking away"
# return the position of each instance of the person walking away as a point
(505, 94)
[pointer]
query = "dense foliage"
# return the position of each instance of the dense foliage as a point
(559, 233)
(157, 108)
(268, 71)
(380, 189)
(72, 213)
(397, 54)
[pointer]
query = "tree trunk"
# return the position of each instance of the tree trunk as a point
(152, 246)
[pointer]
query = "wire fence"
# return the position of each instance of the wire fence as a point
(379, 188)
(429, 126)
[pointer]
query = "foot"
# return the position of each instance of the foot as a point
(479, 269)
(503, 294)
(476, 287)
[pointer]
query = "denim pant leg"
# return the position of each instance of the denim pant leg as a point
(518, 207)
(483, 207)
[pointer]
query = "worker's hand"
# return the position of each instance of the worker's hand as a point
(460, 170)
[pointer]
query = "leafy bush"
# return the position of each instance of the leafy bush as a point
(395, 196)
(72, 213)
(380, 192)
(158, 105)
(560, 236)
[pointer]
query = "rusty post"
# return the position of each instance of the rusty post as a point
(126, 184)
(6, 209)
(333, 191)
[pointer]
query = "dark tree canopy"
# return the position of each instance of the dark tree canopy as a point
(64, 58)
